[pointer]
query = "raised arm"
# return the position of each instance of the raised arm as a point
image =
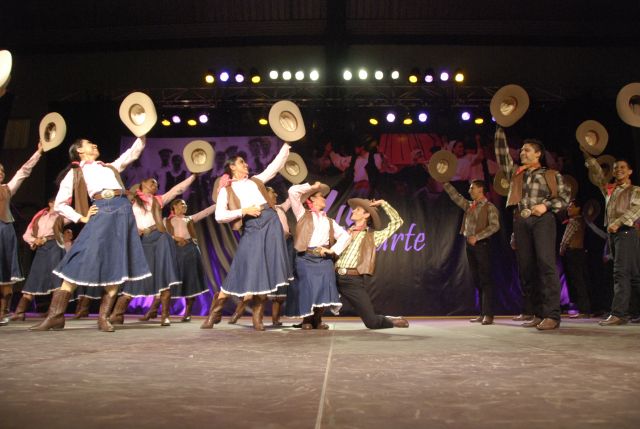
(294, 197)
(131, 154)
(455, 196)
(596, 172)
(177, 189)
(24, 172)
(502, 153)
(395, 222)
(203, 213)
(275, 165)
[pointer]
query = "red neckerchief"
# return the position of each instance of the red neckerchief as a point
(612, 187)
(37, 216)
(526, 167)
(226, 180)
(314, 209)
(358, 228)
(475, 204)
(147, 199)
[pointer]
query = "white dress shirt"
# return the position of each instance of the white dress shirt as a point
(179, 223)
(144, 216)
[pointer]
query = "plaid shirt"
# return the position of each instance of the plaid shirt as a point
(534, 189)
(349, 257)
(572, 227)
(631, 215)
(472, 211)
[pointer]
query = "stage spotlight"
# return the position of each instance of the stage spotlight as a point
(458, 76)
(166, 122)
(209, 77)
(395, 74)
(363, 74)
(203, 118)
(286, 75)
(255, 76)
(429, 76)
(263, 121)
(479, 121)
(408, 120)
(391, 117)
(444, 76)
(176, 119)
(493, 119)
(373, 121)
(224, 76)
(273, 74)
(422, 117)
(314, 75)
(465, 116)
(239, 76)
(346, 75)
(379, 75)
(192, 122)
(299, 75)
(413, 75)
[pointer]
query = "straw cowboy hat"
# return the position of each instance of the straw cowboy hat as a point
(592, 136)
(606, 163)
(6, 63)
(591, 210)
(52, 129)
(295, 169)
(138, 113)
(442, 165)
(509, 104)
(373, 212)
(572, 183)
(286, 121)
(198, 156)
(501, 184)
(628, 104)
(324, 190)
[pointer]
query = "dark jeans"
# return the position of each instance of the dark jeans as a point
(625, 247)
(479, 257)
(575, 267)
(536, 252)
(352, 289)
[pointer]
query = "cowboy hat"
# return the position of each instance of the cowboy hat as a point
(572, 183)
(628, 104)
(509, 104)
(606, 163)
(591, 210)
(138, 113)
(501, 184)
(592, 136)
(5, 69)
(324, 190)
(52, 129)
(366, 204)
(295, 169)
(442, 165)
(286, 121)
(198, 156)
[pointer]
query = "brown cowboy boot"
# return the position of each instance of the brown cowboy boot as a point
(117, 315)
(153, 310)
(276, 306)
(82, 308)
(105, 308)
(55, 316)
(21, 309)
(317, 319)
(215, 312)
(5, 303)
(258, 312)
(165, 300)
(187, 310)
(239, 312)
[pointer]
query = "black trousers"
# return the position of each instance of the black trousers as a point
(352, 289)
(575, 267)
(625, 247)
(479, 257)
(536, 252)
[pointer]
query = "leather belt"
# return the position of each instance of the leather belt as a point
(149, 230)
(315, 251)
(107, 194)
(347, 272)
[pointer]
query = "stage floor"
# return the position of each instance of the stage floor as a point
(439, 373)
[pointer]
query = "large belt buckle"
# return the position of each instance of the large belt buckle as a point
(342, 271)
(525, 213)
(107, 194)
(316, 251)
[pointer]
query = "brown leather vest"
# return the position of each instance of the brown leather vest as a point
(5, 200)
(304, 231)
(57, 228)
(81, 194)
(367, 256)
(233, 202)
(481, 223)
(190, 227)
(577, 240)
(620, 204)
(517, 184)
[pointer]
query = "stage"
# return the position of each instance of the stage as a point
(439, 373)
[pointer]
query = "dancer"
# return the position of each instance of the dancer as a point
(536, 193)
(260, 264)
(318, 240)
(479, 223)
(108, 251)
(10, 272)
(159, 249)
(357, 261)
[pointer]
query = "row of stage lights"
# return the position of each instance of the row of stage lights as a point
(414, 77)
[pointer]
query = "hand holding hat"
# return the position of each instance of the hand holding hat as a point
(509, 104)
(592, 136)
(52, 130)
(138, 113)
(286, 121)
(198, 156)
(442, 166)
(6, 62)
(294, 170)
(628, 104)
